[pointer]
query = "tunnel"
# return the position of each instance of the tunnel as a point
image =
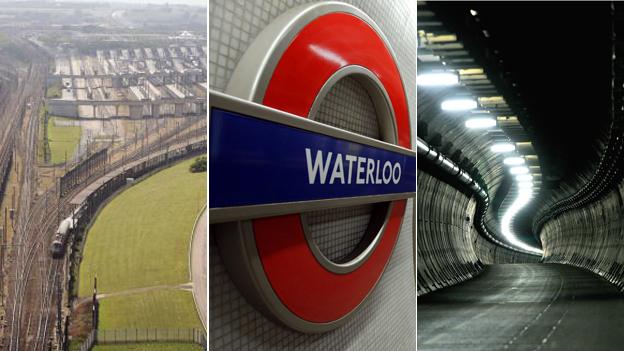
(519, 192)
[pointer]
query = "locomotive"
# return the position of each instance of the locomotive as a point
(62, 234)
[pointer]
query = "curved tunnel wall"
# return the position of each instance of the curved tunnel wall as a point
(449, 248)
(444, 250)
(465, 147)
(591, 237)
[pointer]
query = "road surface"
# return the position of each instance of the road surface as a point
(199, 266)
(524, 307)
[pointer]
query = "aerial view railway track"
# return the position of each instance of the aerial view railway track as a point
(30, 219)
(33, 293)
(33, 304)
(39, 54)
(34, 280)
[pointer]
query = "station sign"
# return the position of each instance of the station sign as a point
(256, 162)
(271, 164)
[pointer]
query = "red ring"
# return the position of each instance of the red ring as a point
(324, 46)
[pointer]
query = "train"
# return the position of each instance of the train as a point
(87, 204)
(64, 230)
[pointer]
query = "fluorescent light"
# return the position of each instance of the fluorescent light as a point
(524, 195)
(503, 147)
(524, 177)
(523, 198)
(459, 104)
(472, 12)
(513, 161)
(480, 122)
(437, 79)
(519, 170)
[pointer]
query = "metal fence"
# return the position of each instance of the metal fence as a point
(123, 336)
(87, 345)
(82, 171)
(134, 170)
(88, 209)
(6, 161)
(138, 335)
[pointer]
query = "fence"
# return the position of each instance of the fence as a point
(83, 171)
(89, 342)
(134, 170)
(87, 210)
(138, 335)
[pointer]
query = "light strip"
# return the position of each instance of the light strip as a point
(524, 177)
(519, 170)
(503, 147)
(440, 79)
(525, 194)
(459, 104)
(513, 161)
(480, 123)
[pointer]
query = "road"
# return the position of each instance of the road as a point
(524, 307)
(199, 259)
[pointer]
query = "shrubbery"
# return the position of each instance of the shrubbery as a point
(199, 165)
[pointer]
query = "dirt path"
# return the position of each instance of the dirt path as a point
(185, 286)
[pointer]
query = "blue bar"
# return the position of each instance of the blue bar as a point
(258, 162)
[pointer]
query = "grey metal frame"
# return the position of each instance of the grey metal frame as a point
(237, 247)
(238, 105)
(375, 90)
(368, 243)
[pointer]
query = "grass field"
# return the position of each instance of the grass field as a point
(148, 347)
(62, 139)
(54, 91)
(166, 309)
(141, 238)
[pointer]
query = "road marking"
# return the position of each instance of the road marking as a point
(552, 331)
(539, 315)
(513, 289)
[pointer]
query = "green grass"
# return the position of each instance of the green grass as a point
(141, 238)
(62, 139)
(148, 347)
(165, 309)
(54, 91)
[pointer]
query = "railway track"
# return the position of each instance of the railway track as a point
(29, 221)
(35, 292)
(35, 283)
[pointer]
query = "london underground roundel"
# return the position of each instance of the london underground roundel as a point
(290, 67)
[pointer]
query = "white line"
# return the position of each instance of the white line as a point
(539, 315)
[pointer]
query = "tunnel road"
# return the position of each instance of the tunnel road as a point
(524, 307)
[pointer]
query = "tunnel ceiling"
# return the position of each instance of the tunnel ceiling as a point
(554, 63)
